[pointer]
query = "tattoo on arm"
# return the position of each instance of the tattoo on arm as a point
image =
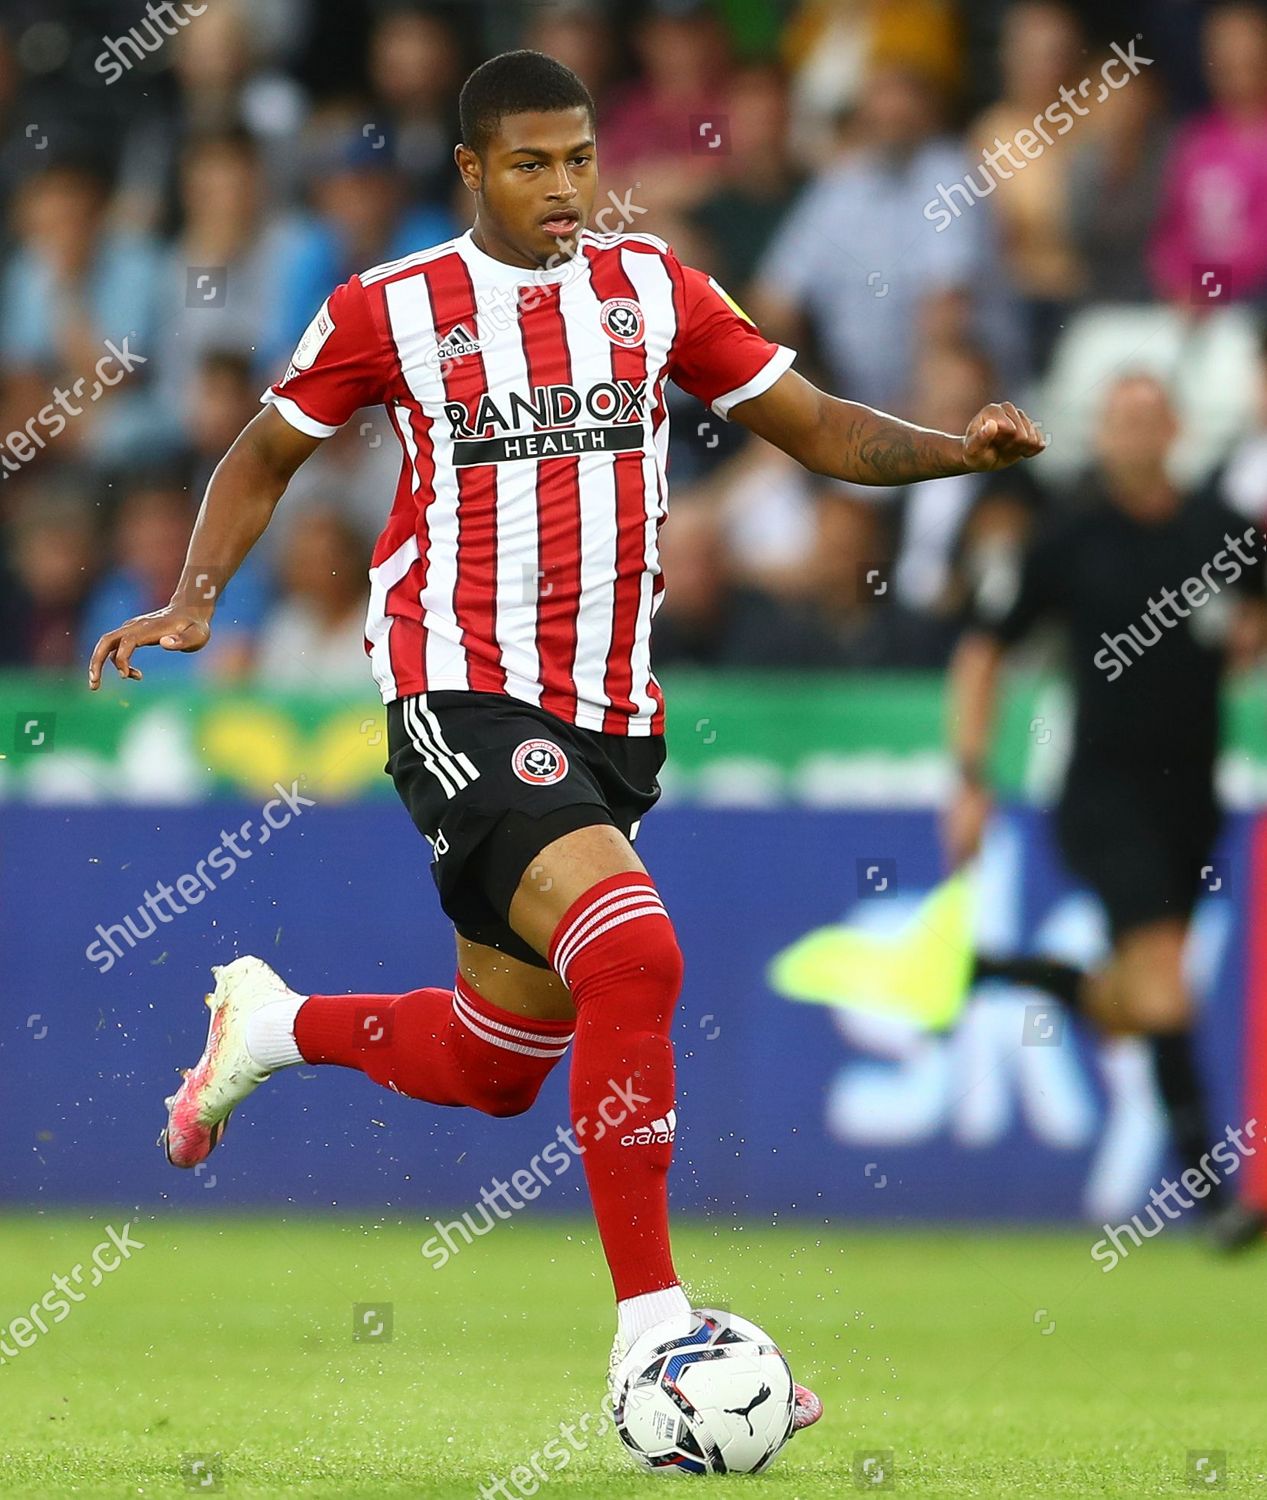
(879, 449)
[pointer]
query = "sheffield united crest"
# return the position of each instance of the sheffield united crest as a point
(539, 762)
(622, 321)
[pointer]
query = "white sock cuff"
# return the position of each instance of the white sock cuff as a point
(637, 1315)
(270, 1034)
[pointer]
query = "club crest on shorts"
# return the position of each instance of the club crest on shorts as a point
(622, 321)
(539, 762)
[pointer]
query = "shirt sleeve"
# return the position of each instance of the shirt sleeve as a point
(1036, 593)
(718, 355)
(340, 364)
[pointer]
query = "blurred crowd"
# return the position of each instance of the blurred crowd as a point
(929, 199)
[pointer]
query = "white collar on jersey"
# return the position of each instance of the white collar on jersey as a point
(486, 268)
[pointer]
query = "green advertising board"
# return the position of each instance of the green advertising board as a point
(749, 739)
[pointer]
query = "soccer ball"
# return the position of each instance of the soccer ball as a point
(708, 1395)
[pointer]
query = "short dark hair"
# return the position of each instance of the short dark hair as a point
(514, 83)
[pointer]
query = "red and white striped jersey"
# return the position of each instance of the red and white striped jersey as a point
(520, 555)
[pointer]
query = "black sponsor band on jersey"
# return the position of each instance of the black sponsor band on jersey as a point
(620, 438)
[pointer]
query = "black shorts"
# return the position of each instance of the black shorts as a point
(490, 781)
(1139, 839)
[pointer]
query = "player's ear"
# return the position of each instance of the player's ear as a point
(470, 166)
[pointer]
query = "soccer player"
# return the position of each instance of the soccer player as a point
(1158, 591)
(523, 367)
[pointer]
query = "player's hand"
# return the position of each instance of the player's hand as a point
(175, 628)
(998, 436)
(964, 822)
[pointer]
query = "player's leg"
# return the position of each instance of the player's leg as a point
(458, 1045)
(1144, 993)
(520, 988)
(1150, 851)
(451, 1045)
(588, 904)
(1138, 851)
(488, 1043)
(1107, 833)
(1142, 989)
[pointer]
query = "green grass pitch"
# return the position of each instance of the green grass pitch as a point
(976, 1363)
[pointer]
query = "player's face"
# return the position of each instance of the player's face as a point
(535, 185)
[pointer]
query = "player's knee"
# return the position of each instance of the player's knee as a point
(660, 964)
(1153, 1012)
(516, 1100)
(504, 1097)
(1150, 1002)
(642, 972)
(617, 945)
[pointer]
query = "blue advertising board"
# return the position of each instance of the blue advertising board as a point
(784, 1107)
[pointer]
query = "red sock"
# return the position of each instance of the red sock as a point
(444, 1046)
(616, 951)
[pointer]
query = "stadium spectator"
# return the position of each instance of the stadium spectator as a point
(223, 83)
(669, 130)
(275, 174)
(230, 264)
(225, 79)
(851, 604)
(580, 37)
(1040, 48)
(858, 261)
(951, 384)
(415, 68)
(71, 284)
(767, 500)
(354, 474)
(53, 564)
(363, 216)
(830, 46)
(223, 396)
(314, 636)
(148, 542)
(14, 143)
(1212, 231)
(1114, 184)
(757, 182)
(709, 618)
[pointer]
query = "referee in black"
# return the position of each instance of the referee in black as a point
(1158, 593)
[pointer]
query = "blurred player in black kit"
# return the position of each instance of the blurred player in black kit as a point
(1159, 592)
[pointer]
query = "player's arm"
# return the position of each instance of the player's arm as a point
(844, 440)
(973, 693)
(343, 362)
(244, 490)
(973, 682)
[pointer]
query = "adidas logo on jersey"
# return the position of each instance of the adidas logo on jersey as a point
(458, 343)
(659, 1133)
